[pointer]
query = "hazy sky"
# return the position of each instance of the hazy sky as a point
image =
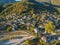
(18, 0)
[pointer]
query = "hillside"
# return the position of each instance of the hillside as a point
(38, 19)
(7, 1)
(56, 2)
(20, 8)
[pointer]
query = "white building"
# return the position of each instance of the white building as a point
(35, 30)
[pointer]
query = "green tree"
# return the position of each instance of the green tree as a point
(9, 28)
(57, 42)
(41, 42)
(27, 42)
(50, 27)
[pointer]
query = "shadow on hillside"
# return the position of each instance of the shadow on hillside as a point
(1, 8)
(7, 1)
(56, 6)
(2, 2)
(47, 6)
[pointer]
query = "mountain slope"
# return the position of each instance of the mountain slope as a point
(6, 1)
(28, 7)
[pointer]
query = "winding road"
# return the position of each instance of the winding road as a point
(20, 37)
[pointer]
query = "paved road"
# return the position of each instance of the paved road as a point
(20, 40)
(16, 41)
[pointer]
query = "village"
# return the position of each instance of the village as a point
(33, 23)
(30, 22)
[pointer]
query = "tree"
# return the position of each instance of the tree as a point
(57, 42)
(16, 8)
(41, 42)
(43, 17)
(9, 29)
(28, 42)
(31, 11)
(50, 27)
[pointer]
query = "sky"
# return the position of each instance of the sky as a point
(18, 0)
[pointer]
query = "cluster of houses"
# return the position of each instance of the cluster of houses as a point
(37, 21)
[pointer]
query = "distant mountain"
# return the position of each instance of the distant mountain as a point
(7, 1)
